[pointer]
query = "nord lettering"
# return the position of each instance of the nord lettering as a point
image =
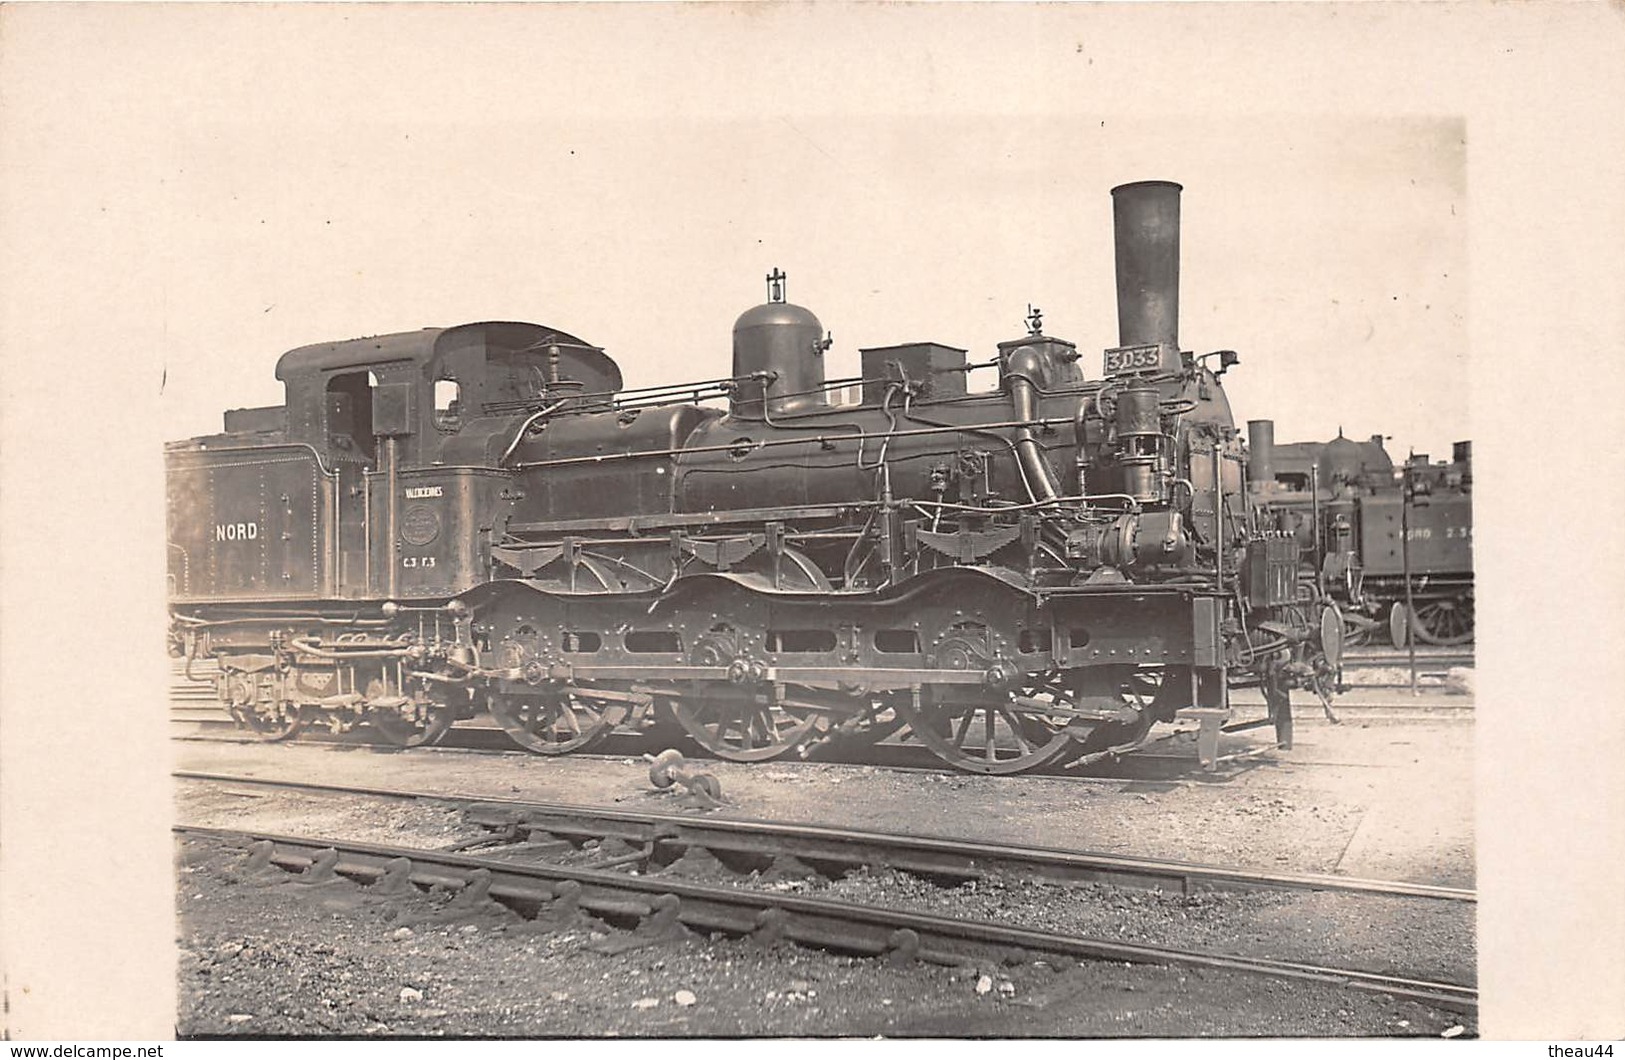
(236, 531)
(419, 492)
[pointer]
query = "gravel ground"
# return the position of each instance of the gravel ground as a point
(1390, 800)
(274, 959)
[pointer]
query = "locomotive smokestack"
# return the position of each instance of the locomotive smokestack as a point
(1146, 223)
(1260, 451)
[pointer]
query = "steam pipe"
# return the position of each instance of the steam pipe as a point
(390, 457)
(1218, 515)
(309, 647)
(1022, 369)
(1314, 519)
(519, 435)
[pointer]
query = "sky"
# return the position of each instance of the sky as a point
(300, 175)
(1406, 218)
(1331, 253)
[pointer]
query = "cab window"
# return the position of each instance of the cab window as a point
(349, 414)
(448, 406)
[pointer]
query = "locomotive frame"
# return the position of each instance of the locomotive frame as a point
(1026, 576)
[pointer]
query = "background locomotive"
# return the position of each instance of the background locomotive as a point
(1342, 499)
(482, 517)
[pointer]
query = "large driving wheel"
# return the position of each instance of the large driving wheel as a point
(733, 725)
(555, 723)
(990, 737)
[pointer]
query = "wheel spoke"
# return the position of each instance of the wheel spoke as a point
(964, 727)
(731, 720)
(1444, 622)
(748, 727)
(1015, 730)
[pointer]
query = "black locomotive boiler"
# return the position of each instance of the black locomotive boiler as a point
(454, 520)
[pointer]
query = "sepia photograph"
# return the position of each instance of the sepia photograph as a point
(716, 521)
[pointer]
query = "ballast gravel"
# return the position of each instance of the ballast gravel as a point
(277, 959)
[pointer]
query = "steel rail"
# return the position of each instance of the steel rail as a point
(927, 855)
(1396, 657)
(818, 922)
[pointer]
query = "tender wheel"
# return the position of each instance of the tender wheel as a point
(556, 723)
(252, 702)
(736, 727)
(1445, 622)
(271, 725)
(992, 737)
(411, 725)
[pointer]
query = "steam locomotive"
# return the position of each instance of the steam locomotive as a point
(1342, 500)
(482, 518)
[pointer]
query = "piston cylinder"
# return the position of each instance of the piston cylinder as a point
(1146, 227)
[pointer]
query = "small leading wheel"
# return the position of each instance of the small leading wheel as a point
(252, 701)
(990, 737)
(1446, 622)
(413, 724)
(737, 728)
(555, 723)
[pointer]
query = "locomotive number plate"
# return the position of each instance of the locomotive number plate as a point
(1133, 358)
(419, 525)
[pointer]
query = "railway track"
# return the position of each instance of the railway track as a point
(658, 909)
(938, 857)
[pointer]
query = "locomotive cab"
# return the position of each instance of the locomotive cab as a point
(425, 387)
(374, 478)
